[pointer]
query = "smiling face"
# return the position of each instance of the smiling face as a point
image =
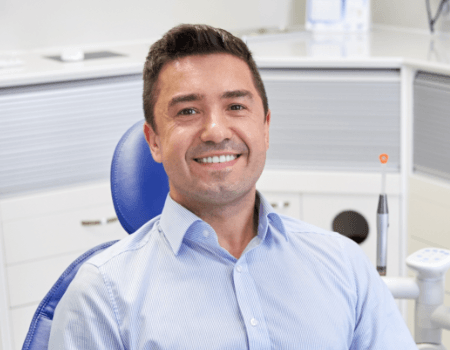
(211, 134)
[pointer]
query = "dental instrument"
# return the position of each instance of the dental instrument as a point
(382, 221)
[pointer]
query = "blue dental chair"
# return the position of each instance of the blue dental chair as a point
(139, 188)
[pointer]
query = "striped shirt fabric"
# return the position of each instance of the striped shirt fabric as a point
(170, 285)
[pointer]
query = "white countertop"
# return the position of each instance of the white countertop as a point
(37, 68)
(379, 48)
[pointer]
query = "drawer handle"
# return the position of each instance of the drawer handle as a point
(103, 221)
(280, 204)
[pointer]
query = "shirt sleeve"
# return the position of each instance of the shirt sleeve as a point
(84, 318)
(379, 323)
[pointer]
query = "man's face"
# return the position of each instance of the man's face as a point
(212, 138)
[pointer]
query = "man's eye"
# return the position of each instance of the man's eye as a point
(237, 107)
(187, 111)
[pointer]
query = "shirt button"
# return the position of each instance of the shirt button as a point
(239, 268)
(205, 234)
(254, 322)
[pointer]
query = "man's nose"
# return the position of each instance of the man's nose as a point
(216, 128)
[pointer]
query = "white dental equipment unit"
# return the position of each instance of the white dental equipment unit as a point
(430, 265)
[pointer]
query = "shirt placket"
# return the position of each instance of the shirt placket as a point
(250, 306)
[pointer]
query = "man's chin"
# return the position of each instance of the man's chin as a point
(222, 195)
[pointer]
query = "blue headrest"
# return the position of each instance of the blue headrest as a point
(139, 185)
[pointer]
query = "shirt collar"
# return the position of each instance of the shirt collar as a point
(267, 214)
(176, 221)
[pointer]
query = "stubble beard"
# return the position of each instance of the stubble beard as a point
(221, 192)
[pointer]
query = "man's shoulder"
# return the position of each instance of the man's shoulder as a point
(296, 227)
(126, 246)
(319, 240)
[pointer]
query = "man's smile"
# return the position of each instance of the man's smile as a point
(216, 162)
(214, 159)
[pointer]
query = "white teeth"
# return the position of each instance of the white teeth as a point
(217, 159)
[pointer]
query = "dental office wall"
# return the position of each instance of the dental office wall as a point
(408, 14)
(393, 13)
(27, 24)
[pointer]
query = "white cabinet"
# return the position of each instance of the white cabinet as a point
(42, 234)
(57, 141)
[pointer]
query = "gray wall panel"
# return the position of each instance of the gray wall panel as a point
(333, 119)
(64, 133)
(431, 149)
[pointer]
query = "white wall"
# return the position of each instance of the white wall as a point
(30, 24)
(410, 14)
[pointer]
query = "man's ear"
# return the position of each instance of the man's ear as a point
(266, 129)
(154, 142)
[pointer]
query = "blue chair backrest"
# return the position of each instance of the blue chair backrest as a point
(139, 185)
(139, 188)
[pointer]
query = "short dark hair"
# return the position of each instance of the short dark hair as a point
(187, 40)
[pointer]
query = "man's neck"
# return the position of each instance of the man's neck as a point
(235, 224)
(235, 236)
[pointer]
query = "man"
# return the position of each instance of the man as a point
(219, 269)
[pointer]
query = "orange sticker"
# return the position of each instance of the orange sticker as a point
(384, 158)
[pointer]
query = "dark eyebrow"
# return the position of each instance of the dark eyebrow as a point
(237, 93)
(185, 98)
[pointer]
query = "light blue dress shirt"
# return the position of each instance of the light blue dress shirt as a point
(171, 286)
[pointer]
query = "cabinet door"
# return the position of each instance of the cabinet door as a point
(59, 134)
(51, 224)
(431, 148)
(333, 120)
(43, 234)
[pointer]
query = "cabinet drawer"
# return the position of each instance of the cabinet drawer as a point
(50, 224)
(62, 233)
(30, 282)
(428, 211)
(56, 201)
